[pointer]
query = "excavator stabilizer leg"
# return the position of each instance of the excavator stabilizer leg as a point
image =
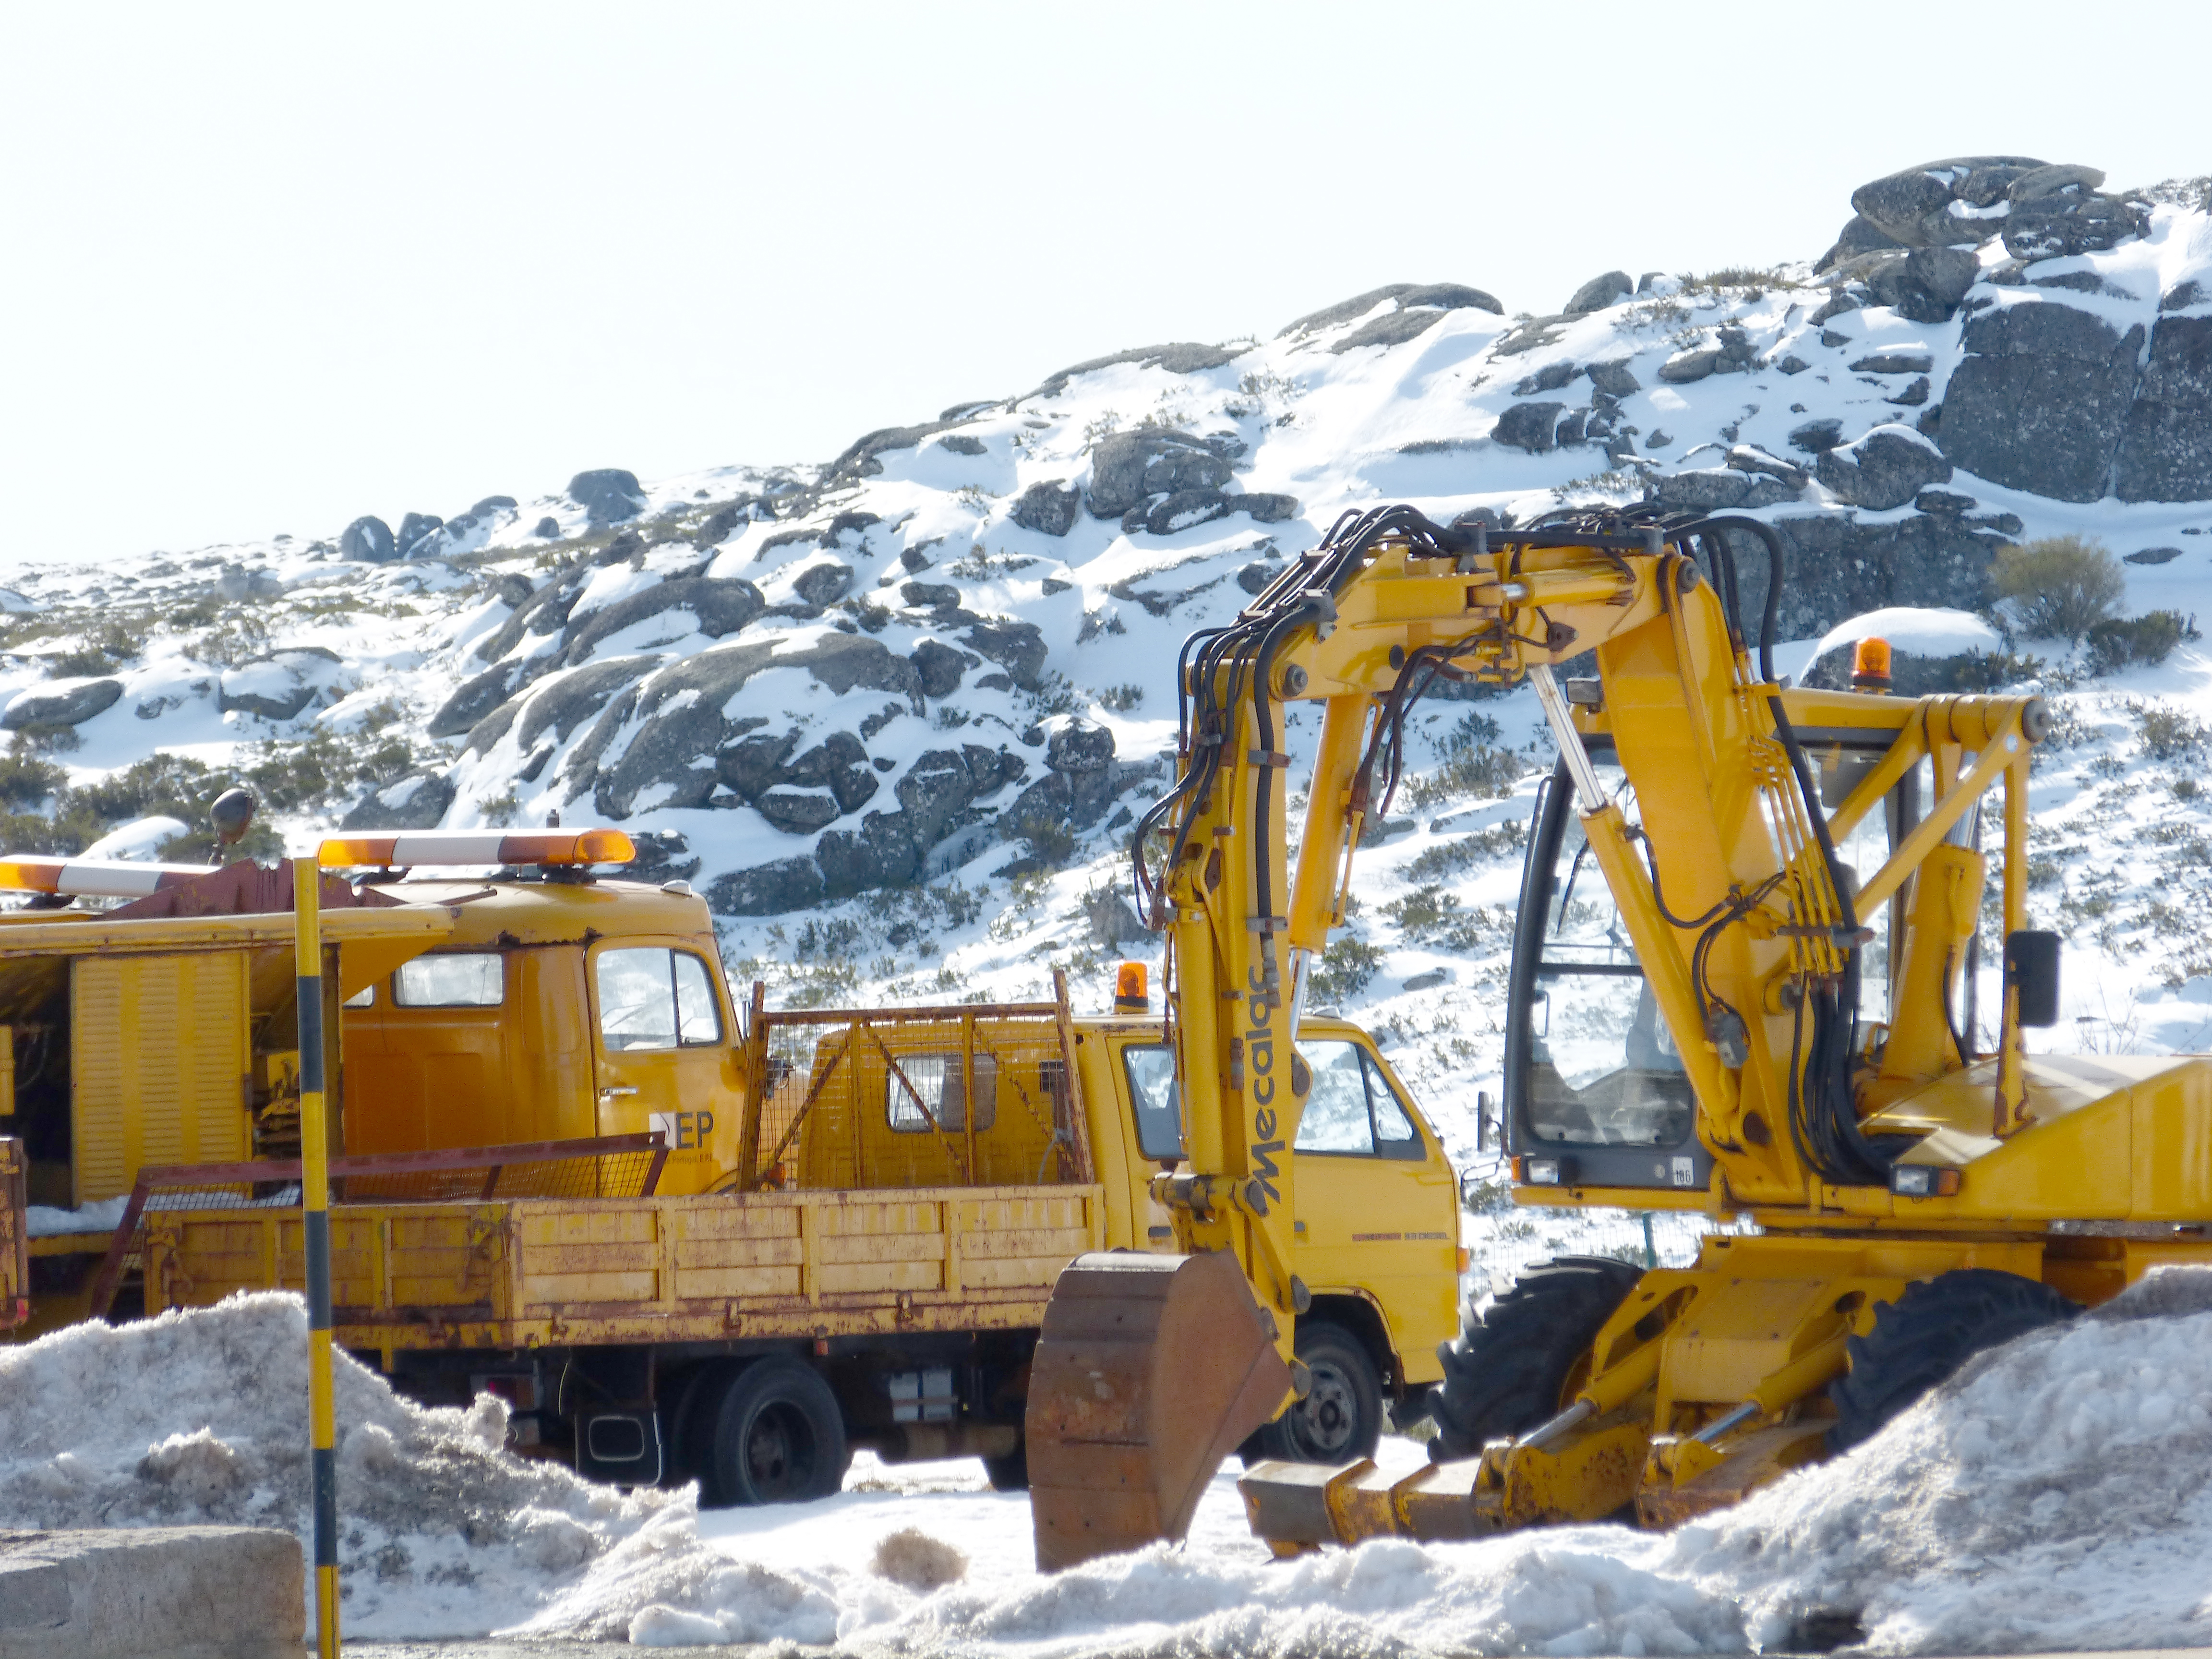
(1149, 1371)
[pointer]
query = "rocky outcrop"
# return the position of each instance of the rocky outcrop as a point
(1600, 292)
(1924, 285)
(1415, 307)
(663, 742)
(938, 795)
(821, 585)
(1048, 507)
(1182, 358)
(417, 801)
(938, 667)
(609, 493)
(417, 533)
(281, 685)
(2166, 441)
(1886, 468)
(60, 702)
(474, 698)
(720, 607)
(2041, 398)
(1016, 646)
(1912, 240)
(1130, 467)
(1533, 427)
(368, 540)
(1837, 566)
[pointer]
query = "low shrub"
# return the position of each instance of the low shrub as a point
(2059, 587)
(2117, 642)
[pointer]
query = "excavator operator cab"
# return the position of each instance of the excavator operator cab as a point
(1595, 1090)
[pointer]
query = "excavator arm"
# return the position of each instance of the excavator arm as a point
(1750, 945)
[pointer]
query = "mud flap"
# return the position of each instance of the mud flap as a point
(1149, 1371)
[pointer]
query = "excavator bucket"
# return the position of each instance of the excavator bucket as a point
(1149, 1371)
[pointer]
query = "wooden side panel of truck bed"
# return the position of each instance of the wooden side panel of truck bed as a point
(531, 1272)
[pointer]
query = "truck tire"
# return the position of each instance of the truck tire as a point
(1927, 1333)
(1340, 1419)
(778, 1437)
(1009, 1473)
(1504, 1375)
(689, 1425)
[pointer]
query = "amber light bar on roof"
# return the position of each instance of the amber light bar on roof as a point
(552, 847)
(93, 877)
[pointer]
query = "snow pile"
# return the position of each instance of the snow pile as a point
(2055, 1496)
(202, 1417)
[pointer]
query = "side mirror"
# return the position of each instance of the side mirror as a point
(2031, 969)
(1487, 1135)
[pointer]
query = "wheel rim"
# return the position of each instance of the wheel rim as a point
(1326, 1423)
(779, 1453)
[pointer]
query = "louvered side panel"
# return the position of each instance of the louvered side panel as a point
(103, 1164)
(213, 1052)
(157, 1062)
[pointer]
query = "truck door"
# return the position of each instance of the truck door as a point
(664, 1056)
(1377, 1205)
(1155, 1128)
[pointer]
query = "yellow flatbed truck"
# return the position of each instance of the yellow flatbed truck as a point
(683, 1239)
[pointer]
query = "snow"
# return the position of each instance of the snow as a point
(45, 1220)
(1926, 632)
(141, 838)
(2056, 1496)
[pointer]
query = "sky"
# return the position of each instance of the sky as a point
(267, 269)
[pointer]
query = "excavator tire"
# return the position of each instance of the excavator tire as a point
(1927, 1333)
(1505, 1374)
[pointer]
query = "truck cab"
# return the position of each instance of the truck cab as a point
(1376, 1228)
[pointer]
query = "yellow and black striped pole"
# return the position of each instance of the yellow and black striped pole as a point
(315, 1201)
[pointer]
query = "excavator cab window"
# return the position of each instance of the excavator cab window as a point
(1590, 1066)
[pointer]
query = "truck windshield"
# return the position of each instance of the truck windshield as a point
(1602, 1067)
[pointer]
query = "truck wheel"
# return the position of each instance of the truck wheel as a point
(690, 1426)
(1340, 1419)
(1504, 1375)
(1927, 1333)
(778, 1437)
(1009, 1473)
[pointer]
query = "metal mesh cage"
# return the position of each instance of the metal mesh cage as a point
(915, 1098)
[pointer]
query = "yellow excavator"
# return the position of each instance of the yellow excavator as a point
(1742, 984)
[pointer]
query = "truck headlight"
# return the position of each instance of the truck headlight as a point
(1548, 1171)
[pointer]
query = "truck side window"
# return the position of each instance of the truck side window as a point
(939, 1083)
(471, 979)
(1151, 1071)
(1336, 1115)
(651, 997)
(1394, 1134)
(698, 1016)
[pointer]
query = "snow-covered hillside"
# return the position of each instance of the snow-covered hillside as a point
(892, 713)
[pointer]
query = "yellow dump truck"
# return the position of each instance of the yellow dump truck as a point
(685, 1239)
